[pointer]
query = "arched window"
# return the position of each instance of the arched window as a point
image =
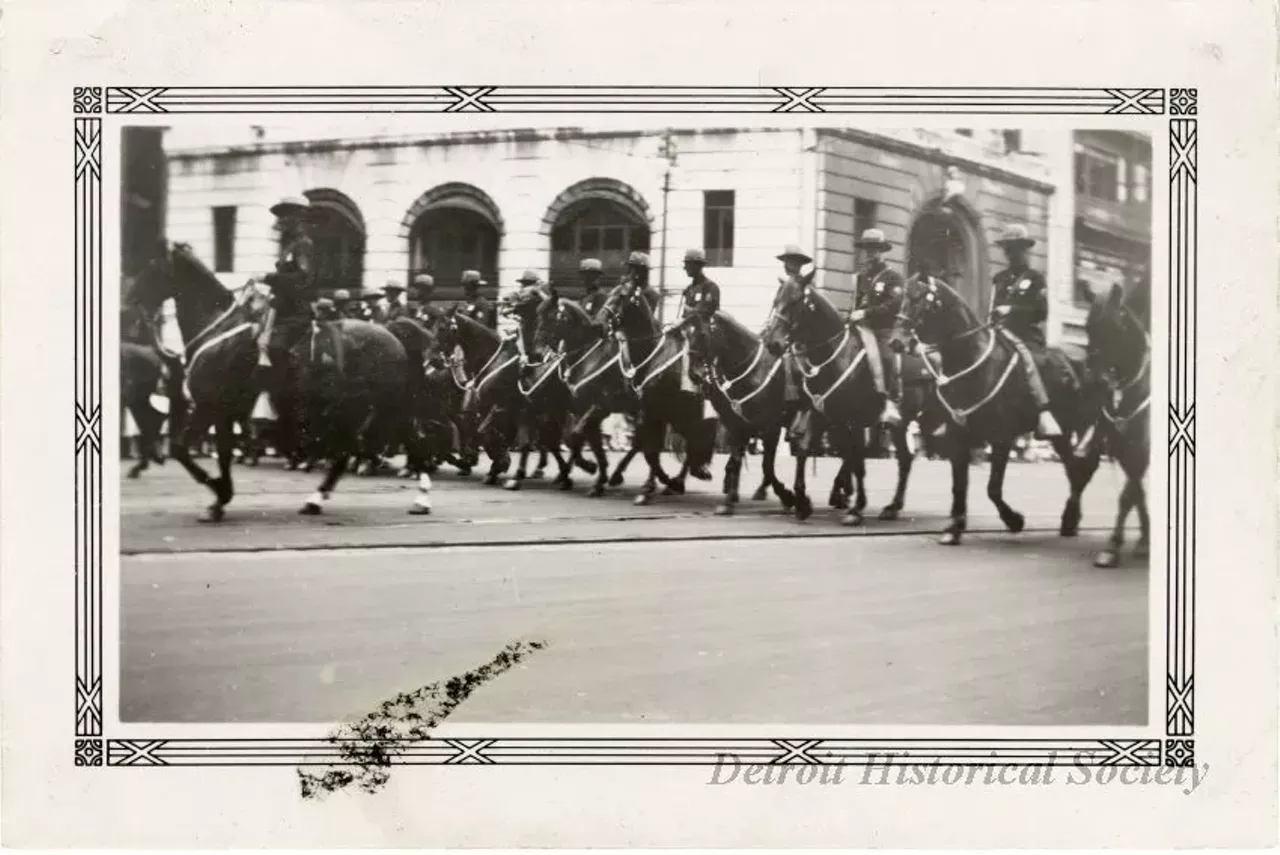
(595, 228)
(338, 235)
(940, 244)
(452, 228)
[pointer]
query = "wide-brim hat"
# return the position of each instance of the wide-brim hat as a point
(424, 280)
(291, 205)
(1016, 235)
(471, 277)
(529, 278)
(341, 294)
(394, 286)
(638, 259)
(590, 265)
(372, 294)
(695, 256)
(872, 239)
(793, 251)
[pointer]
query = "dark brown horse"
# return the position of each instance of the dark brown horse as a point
(653, 360)
(987, 400)
(1120, 356)
(752, 392)
(347, 378)
(586, 361)
(841, 396)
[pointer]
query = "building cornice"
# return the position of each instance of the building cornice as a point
(936, 154)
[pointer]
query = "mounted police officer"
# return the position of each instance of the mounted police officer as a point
(373, 311)
(699, 303)
(793, 260)
(878, 292)
(397, 306)
(421, 294)
(593, 296)
(474, 304)
(293, 282)
(638, 274)
(342, 303)
(1019, 308)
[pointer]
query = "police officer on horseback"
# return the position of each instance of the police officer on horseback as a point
(397, 306)
(699, 303)
(1019, 308)
(474, 304)
(593, 297)
(421, 294)
(878, 292)
(638, 276)
(293, 282)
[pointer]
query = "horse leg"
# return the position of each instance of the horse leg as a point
(144, 452)
(902, 451)
(1110, 555)
(732, 473)
(337, 467)
(650, 434)
(223, 490)
(1079, 474)
(960, 454)
(766, 466)
(768, 463)
(1012, 520)
(615, 480)
(595, 436)
(184, 439)
(856, 461)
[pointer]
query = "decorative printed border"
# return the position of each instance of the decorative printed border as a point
(1173, 746)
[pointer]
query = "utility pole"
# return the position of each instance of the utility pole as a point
(668, 152)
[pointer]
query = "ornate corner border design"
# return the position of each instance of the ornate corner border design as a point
(1171, 746)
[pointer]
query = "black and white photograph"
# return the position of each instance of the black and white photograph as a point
(512, 426)
(801, 423)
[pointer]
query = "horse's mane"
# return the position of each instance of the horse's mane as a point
(466, 322)
(576, 309)
(954, 296)
(725, 319)
(183, 253)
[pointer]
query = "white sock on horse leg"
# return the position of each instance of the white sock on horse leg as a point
(318, 498)
(423, 499)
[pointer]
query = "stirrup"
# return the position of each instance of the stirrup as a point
(1048, 425)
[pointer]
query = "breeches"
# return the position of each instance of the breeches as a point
(1030, 367)
(887, 376)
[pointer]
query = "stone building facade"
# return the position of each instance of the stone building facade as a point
(389, 205)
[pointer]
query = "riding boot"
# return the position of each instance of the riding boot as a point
(1046, 426)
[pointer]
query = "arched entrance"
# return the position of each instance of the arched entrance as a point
(338, 235)
(452, 228)
(598, 218)
(943, 243)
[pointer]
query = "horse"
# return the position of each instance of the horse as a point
(545, 412)
(652, 360)
(484, 366)
(1119, 354)
(750, 391)
(587, 362)
(840, 390)
(986, 399)
(219, 330)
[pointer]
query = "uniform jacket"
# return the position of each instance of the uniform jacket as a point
(481, 310)
(701, 298)
(878, 292)
(1025, 292)
(294, 278)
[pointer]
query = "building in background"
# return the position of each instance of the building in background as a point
(390, 204)
(1112, 218)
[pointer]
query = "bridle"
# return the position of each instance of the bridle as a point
(1120, 389)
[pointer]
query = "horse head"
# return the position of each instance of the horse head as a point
(625, 308)
(1118, 343)
(932, 312)
(800, 314)
(154, 283)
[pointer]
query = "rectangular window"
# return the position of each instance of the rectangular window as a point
(1141, 183)
(965, 132)
(1098, 175)
(864, 216)
(224, 239)
(717, 227)
(1012, 141)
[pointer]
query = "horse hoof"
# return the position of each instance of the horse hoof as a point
(586, 466)
(418, 511)
(760, 495)
(490, 480)
(788, 501)
(804, 509)
(511, 484)
(310, 509)
(566, 484)
(134, 473)
(724, 510)
(1142, 550)
(1068, 531)
(212, 514)
(538, 474)
(890, 513)
(836, 500)
(853, 518)
(615, 481)
(642, 500)
(464, 471)
(595, 492)
(1107, 558)
(950, 538)
(1015, 522)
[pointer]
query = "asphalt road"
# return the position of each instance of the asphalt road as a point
(664, 613)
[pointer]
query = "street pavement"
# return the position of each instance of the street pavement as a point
(663, 613)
